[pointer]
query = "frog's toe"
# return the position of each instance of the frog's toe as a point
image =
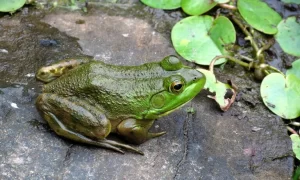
(154, 135)
(125, 146)
(107, 146)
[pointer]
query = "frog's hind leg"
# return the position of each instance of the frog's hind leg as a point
(53, 71)
(61, 130)
(79, 121)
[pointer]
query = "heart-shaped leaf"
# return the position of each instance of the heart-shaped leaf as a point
(197, 7)
(201, 38)
(288, 36)
(282, 94)
(11, 6)
(163, 4)
(259, 15)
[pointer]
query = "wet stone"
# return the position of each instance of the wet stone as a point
(247, 142)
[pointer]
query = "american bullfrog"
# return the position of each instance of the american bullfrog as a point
(85, 100)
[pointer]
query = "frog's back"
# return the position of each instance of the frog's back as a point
(119, 89)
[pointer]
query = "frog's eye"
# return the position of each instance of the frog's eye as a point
(177, 86)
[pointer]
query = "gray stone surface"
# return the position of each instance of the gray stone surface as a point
(247, 142)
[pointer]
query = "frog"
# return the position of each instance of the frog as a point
(86, 100)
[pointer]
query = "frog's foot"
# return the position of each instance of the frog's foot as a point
(136, 131)
(61, 130)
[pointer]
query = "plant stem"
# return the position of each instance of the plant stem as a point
(275, 69)
(294, 123)
(228, 6)
(261, 57)
(245, 58)
(291, 130)
(247, 33)
(211, 66)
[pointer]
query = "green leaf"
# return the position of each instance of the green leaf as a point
(291, 1)
(259, 15)
(163, 4)
(11, 5)
(219, 88)
(296, 175)
(197, 7)
(296, 145)
(201, 38)
(282, 94)
(222, 32)
(288, 36)
(295, 69)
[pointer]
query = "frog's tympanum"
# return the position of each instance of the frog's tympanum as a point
(86, 100)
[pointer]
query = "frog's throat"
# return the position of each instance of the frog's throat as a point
(168, 112)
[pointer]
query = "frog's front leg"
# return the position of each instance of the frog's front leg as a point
(79, 121)
(136, 131)
(53, 71)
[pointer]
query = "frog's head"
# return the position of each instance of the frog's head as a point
(180, 86)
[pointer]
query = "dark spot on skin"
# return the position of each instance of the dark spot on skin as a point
(42, 73)
(70, 67)
(52, 70)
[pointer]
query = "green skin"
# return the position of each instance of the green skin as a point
(86, 100)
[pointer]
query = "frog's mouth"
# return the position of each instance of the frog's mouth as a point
(168, 112)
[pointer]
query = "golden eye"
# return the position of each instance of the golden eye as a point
(176, 86)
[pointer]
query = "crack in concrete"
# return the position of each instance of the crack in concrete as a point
(186, 139)
(65, 161)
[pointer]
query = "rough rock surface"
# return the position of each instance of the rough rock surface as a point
(247, 142)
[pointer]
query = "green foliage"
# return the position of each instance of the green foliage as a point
(259, 15)
(163, 4)
(296, 175)
(282, 94)
(288, 36)
(201, 38)
(197, 7)
(295, 70)
(11, 6)
(296, 145)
